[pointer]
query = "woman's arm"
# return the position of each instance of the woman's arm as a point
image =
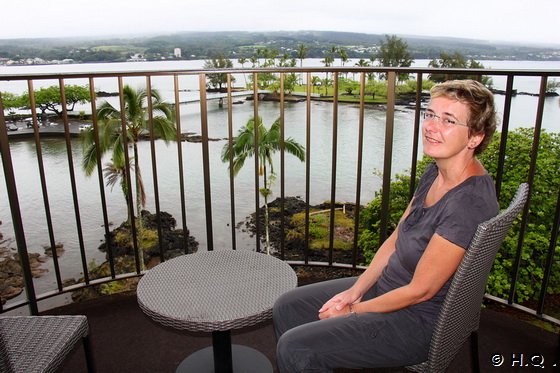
(370, 276)
(438, 263)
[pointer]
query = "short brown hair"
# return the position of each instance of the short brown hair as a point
(479, 99)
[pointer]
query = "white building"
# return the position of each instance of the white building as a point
(136, 58)
(177, 52)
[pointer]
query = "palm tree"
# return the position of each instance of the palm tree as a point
(268, 143)
(302, 54)
(343, 56)
(111, 138)
(254, 61)
(334, 51)
(242, 61)
(116, 174)
(315, 82)
(328, 61)
(362, 63)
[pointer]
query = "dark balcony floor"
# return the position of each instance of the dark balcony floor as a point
(125, 340)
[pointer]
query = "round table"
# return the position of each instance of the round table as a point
(216, 291)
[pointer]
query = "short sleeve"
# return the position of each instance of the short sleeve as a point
(463, 213)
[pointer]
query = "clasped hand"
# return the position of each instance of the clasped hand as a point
(338, 305)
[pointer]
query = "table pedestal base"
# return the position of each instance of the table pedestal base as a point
(245, 360)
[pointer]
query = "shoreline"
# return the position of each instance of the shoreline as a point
(75, 127)
(55, 128)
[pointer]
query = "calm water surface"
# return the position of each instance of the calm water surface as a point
(58, 180)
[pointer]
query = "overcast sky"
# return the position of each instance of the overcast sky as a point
(522, 21)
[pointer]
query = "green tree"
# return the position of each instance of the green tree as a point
(544, 195)
(334, 50)
(302, 51)
(326, 82)
(242, 61)
(364, 63)
(268, 56)
(111, 138)
(329, 58)
(269, 80)
(552, 86)
(540, 219)
(315, 82)
(456, 60)
(348, 85)
(393, 52)
(376, 88)
(254, 61)
(271, 57)
(265, 80)
(11, 101)
(49, 99)
(328, 61)
(286, 61)
(115, 173)
(217, 80)
(269, 142)
(343, 56)
(290, 81)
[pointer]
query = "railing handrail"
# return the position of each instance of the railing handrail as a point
(392, 74)
(239, 70)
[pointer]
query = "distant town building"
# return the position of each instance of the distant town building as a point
(177, 52)
(35, 61)
(136, 58)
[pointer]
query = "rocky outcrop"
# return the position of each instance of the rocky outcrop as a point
(11, 275)
(294, 245)
(172, 239)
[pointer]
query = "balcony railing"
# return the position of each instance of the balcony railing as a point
(179, 81)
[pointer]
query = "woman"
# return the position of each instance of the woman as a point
(385, 317)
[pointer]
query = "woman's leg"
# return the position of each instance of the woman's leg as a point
(301, 305)
(365, 340)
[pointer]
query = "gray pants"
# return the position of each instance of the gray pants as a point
(365, 340)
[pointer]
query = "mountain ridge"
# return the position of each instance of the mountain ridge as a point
(236, 44)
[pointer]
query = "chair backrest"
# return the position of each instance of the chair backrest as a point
(5, 363)
(41, 343)
(460, 312)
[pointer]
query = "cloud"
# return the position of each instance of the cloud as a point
(478, 19)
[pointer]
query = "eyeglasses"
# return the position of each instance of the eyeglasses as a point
(446, 120)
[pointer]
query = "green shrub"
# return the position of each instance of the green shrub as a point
(539, 223)
(149, 238)
(544, 195)
(319, 227)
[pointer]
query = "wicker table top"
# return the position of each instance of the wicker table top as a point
(214, 290)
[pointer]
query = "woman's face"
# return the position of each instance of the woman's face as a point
(445, 131)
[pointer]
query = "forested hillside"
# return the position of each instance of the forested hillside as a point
(237, 44)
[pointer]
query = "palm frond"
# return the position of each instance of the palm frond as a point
(164, 129)
(113, 174)
(294, 148)
(89, 159)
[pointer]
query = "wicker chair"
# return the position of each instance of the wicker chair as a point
(33, 344)
(460, 314)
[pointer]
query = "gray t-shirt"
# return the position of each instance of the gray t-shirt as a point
(454, 217)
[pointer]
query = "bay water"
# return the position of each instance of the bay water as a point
(57, 168)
